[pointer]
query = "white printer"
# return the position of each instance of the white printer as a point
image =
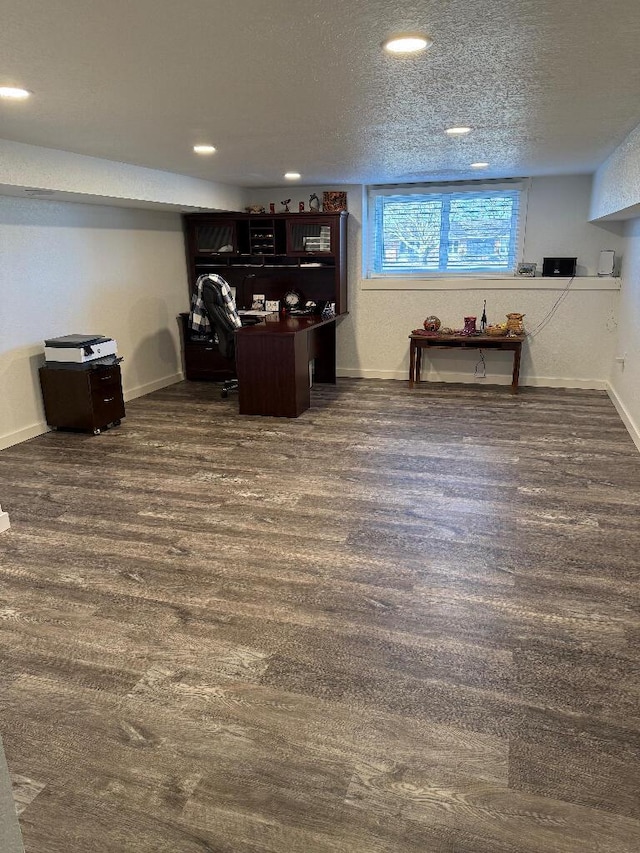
(79, 349)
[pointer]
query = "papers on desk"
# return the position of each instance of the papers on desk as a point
(251, 313)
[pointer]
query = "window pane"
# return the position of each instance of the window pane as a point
(449, 232)
(409, 233)
(480, 233)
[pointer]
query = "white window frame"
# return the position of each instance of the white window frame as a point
(522, 185)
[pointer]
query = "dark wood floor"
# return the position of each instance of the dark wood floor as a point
(407, 622)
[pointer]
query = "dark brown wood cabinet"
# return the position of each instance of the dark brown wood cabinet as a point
(267, 254)
(86, 398)
(271, 254)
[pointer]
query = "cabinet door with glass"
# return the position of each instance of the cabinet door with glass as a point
(308, 235)
(215, 237)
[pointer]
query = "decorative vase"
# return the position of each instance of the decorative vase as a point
(431, 324)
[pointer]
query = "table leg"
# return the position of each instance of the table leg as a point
(412, 363)
(418, 363)
(516, 371)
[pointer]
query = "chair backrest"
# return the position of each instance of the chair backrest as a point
(218, 314)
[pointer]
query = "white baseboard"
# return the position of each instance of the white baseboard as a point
(465, 378)
(24, 434)
(41, 428)
(4, 521)
(361, 373)
(148, 387)
(564, 382)
(627, 420)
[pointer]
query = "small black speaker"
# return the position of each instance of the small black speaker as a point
(565, 267)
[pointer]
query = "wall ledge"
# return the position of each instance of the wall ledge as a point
(509, 283)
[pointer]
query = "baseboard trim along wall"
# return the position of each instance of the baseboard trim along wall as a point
(466, 378)
(24, 434)
(627, 420)
(149, 387)
(41, 427)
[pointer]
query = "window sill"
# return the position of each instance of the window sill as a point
(486, 283)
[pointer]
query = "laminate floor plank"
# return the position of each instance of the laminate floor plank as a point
(405, 622)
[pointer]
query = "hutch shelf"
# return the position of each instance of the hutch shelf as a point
(270, 254)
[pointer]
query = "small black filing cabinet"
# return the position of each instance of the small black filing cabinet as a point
(84, 397)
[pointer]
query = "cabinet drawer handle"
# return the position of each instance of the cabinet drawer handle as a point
(109, 399)
(106, 378)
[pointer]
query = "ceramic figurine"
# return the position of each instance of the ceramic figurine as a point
(314, 203)
(301, 207)
(286, 204)
(272, 207)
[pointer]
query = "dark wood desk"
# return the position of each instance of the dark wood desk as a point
(272, 363)
(420, 342)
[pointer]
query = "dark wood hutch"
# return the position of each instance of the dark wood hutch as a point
(266, 254)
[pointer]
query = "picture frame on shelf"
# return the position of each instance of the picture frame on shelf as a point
(526, 270)
(333, 201)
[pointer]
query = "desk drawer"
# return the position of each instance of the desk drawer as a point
(105, 387)
(107, 406)
(104, 376)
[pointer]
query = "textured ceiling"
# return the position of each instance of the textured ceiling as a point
(549, 86)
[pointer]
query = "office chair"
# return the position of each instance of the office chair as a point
(221, 324)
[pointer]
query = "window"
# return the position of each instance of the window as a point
(458, 230)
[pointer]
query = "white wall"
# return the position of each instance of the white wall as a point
(625, 377)
(575, 349)
(616, 195)
(74, 268)
(558, 226)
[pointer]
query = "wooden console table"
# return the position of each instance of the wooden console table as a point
(419, 342)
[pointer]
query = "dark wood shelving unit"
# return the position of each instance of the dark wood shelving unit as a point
(266, 254)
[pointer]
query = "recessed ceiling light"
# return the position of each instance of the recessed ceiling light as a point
(458, 131)
(292, 176)
(479, 165)
(204, 149)
(13, 93)
(407, 43)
